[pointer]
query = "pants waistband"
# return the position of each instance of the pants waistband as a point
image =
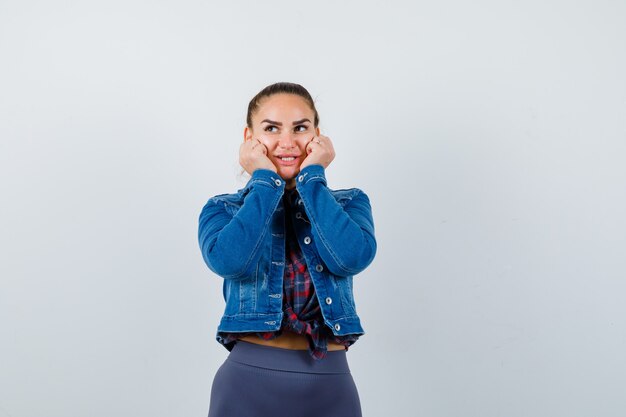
(335, 362)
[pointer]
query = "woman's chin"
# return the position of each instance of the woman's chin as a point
(288, 173)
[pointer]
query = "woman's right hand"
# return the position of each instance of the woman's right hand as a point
(253, 155)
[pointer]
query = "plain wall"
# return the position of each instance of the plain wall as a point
(490, 137)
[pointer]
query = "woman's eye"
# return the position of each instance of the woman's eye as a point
(267, 128)
(304, 127)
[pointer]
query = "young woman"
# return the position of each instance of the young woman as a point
(287, 247)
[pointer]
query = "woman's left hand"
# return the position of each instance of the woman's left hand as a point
(319, 151)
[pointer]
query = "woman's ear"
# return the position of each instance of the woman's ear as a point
(317, 131)
(247, 133)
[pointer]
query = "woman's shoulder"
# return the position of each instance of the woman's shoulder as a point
(229, 196)
(347, 193)
(226, 199)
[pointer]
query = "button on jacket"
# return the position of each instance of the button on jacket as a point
(242, 239)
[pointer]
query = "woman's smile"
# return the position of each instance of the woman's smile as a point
(287, 160)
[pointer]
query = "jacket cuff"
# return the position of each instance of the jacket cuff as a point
(310, 173)
(266, 177)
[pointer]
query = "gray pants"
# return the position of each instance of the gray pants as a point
(265, 381)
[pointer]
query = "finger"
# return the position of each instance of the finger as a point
(261, 146)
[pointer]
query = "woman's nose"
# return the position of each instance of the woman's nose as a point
(287, 140)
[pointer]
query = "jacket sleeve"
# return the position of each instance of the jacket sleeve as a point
(231, 244)
(344, 236)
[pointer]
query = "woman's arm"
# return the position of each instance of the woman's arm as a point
(344, 236)
(231, 245)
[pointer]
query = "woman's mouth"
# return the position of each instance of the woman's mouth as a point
(287, 160)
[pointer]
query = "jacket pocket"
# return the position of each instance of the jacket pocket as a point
(240, 295)
(248, 294)
(343, 287)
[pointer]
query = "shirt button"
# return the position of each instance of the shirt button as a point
(298, 215)
(329, 300)
(299, 201)
(300, 178)
(319, 268)
(337, 327)
(307, 240)
(277, 182)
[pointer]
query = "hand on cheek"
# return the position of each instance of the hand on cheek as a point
(319, 151)
(253, 155)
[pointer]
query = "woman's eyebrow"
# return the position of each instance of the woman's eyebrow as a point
(297, 122)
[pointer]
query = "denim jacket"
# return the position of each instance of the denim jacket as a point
(242, 239)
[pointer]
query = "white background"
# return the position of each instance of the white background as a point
(490, 137)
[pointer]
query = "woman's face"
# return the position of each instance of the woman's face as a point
(284, 124)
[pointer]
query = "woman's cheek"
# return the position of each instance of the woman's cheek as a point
(264, 140)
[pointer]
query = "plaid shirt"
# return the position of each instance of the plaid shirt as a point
(301, 309)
